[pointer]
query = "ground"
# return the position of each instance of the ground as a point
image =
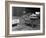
(21, 26)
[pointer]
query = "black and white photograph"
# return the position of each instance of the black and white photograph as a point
(25, 18)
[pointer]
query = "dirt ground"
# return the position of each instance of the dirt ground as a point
(21, 26)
